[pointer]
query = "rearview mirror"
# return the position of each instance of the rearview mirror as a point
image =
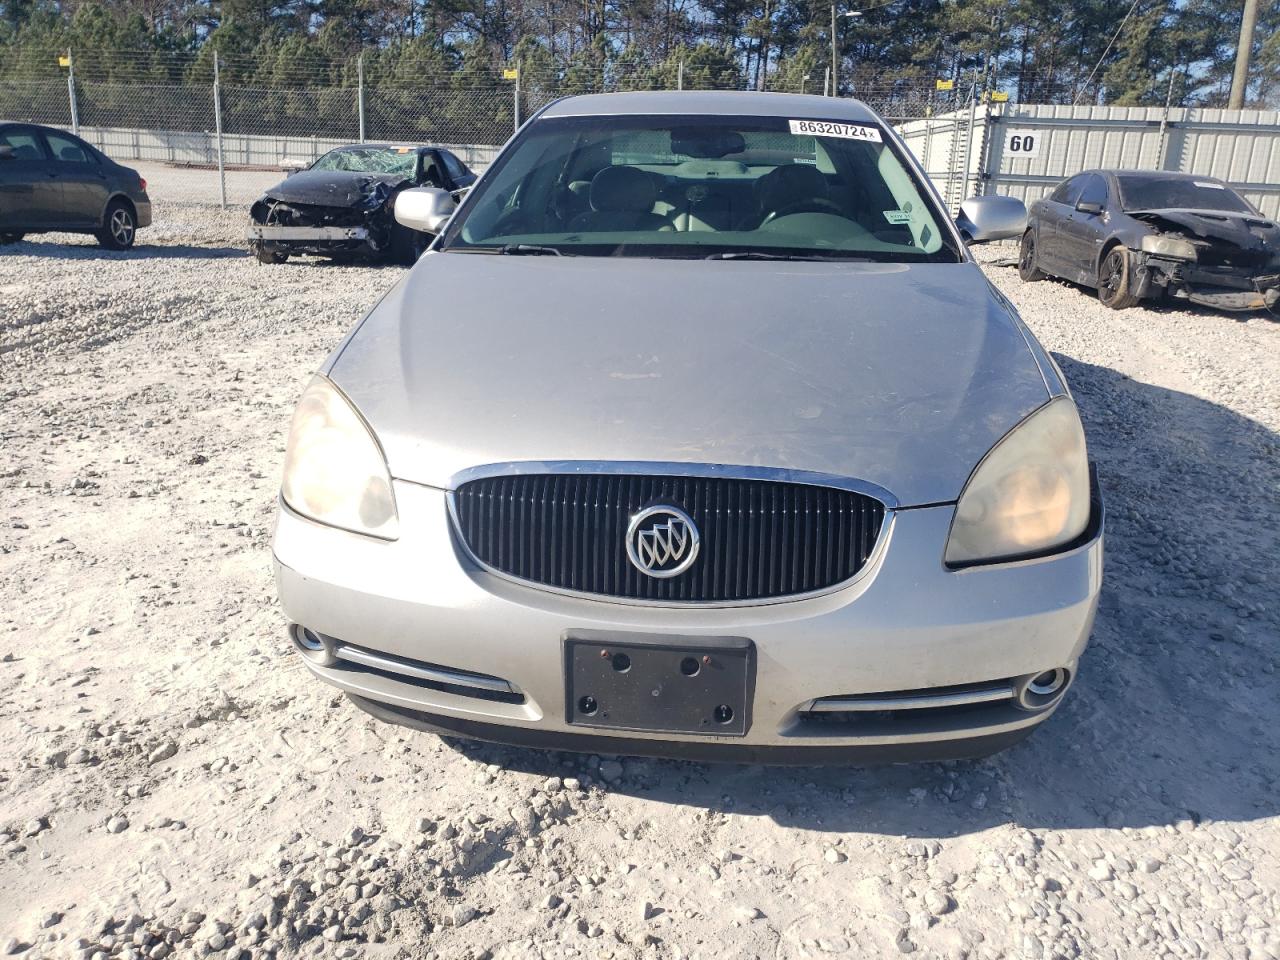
(6, 152)
(426, 209)
(983, 219)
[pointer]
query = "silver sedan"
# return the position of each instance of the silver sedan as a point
(699, 433)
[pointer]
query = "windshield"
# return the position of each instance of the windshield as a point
(399, 161)
(1159, 193)
(699, 186)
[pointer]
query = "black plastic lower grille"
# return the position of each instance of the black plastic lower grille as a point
(759, 538)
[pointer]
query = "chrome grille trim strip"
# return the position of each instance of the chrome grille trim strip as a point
(914, 701)
(434, 674)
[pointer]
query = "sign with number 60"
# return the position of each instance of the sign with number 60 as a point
(1022, 143)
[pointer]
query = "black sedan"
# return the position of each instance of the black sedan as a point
(51, 180)
(1146, 235)
(342, 205)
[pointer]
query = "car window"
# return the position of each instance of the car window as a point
(698, 186)
(1068, 191)
(395, 161)
(25, 144)
(68, 150)
(1154, 192)
(452, 164)
(1095, 191)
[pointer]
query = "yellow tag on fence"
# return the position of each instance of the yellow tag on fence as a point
(510, 74)
(999, 96)
(64, 61)
(944, 84)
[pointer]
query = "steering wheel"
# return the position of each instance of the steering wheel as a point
(810, 205)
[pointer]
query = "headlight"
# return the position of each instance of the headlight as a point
(334, 470)
(1030, 492)
(1168, 247)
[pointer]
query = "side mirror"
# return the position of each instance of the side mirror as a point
(426, 209)
(6, 152)
(1089, 207)
(291, 165)
(983, 219)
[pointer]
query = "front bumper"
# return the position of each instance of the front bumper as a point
(259, 231)
(1217, 287)
(905, 624)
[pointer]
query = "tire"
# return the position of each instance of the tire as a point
(10, 238)
(1114, 280)
(407, 245)
(121, 226)
(269, 256)
(1028, 270)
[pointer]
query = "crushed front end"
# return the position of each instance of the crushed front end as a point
(278, 229)
(1219, 260)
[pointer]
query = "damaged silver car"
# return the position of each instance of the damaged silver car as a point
(341, 207)
(1146, 235)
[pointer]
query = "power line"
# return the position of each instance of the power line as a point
(1133, 6)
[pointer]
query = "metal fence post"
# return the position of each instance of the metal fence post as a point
(968, 143)
(517, 98)
(360, 92)
(680, 75)
(217, 120)
(71, 93)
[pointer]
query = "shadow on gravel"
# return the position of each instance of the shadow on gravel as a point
(1177, 710)
(89, 251)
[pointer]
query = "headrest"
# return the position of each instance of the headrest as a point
(789, 184)
(623, 190)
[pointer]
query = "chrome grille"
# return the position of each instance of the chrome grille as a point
(760, 539)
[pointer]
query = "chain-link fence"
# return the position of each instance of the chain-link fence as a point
(203, 130)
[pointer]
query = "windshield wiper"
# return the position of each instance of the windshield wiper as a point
(760, 255)
(529, 250)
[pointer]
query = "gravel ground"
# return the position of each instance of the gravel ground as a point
(174, 783)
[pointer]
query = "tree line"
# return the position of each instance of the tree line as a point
(1090, 51)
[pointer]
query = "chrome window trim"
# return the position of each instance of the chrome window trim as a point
(673, 469)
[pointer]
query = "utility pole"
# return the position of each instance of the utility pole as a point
(1240, 79)
(835, 69)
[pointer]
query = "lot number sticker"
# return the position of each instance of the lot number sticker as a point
(828, 128)
(1023, 143)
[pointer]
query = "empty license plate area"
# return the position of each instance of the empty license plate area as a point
(664, 684)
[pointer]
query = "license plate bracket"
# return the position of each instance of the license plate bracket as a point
(659, 683)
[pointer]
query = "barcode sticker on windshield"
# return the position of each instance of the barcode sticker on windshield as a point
(828, 128)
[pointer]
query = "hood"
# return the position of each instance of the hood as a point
(900, 375)
(333, 188)
(1246, 230)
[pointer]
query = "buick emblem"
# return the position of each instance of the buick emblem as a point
(662, 542)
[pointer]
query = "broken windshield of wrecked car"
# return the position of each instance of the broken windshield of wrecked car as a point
(687, 186)
(396, 161)
(1145, 191)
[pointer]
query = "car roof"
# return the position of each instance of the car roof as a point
(713, 102)
(392, 145)
(1155, 174)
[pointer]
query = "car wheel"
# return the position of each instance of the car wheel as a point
(11, 237)
(407, 245)
(121, 226)
(1114, 284)
(270, 256)
(1027, 268)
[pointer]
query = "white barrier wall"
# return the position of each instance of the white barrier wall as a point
(1022, 150)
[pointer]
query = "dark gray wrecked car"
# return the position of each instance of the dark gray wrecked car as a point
(341, 206)
(1149, 235)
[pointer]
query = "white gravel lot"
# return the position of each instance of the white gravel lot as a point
(173, 782)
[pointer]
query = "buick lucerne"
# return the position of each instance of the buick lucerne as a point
(698, 433)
